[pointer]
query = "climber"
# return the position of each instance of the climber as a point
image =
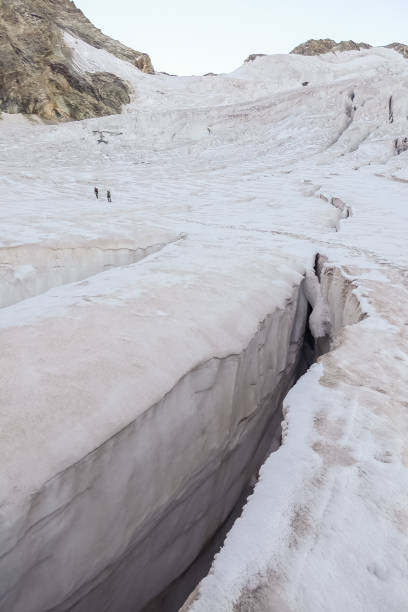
(108, 195)
(96, 190)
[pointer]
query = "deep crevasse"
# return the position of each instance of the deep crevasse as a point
(163, 499)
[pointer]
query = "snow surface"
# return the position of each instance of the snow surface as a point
(221, 199)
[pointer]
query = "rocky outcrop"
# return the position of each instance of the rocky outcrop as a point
(403, 49)
(401, 145)
(325, 45)
(68, 17)
(253, 57)
(36, 73)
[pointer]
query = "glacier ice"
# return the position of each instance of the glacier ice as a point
(146, 347)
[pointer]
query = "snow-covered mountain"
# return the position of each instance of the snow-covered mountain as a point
(258, 223)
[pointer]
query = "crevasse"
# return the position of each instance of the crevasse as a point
(153, 507)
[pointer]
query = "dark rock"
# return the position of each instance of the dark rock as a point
(253, 57)
(401, 145)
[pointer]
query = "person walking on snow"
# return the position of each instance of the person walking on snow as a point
(96, 190)
(108, 195)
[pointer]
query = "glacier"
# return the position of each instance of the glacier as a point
(151, 347)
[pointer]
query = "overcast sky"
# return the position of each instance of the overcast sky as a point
(193, 37)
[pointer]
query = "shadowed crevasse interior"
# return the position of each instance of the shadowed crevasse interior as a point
(344, 308)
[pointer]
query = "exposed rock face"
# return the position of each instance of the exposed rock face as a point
(36, 74)
(68, 17)
(253, 57)
(403, 49)
(325, 45)
(401, 145)
(350, 45)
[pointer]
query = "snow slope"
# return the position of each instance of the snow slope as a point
(134, 344)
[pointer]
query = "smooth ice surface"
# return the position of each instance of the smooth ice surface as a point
(222, 193)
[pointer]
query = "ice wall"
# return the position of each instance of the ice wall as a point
(136, 511)
(339, 293)
(253, 569)
(31, 269)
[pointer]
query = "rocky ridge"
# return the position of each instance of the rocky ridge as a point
(36, 73)
(403, 49)
(327, 45)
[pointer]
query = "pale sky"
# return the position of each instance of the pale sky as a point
(190, 37)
